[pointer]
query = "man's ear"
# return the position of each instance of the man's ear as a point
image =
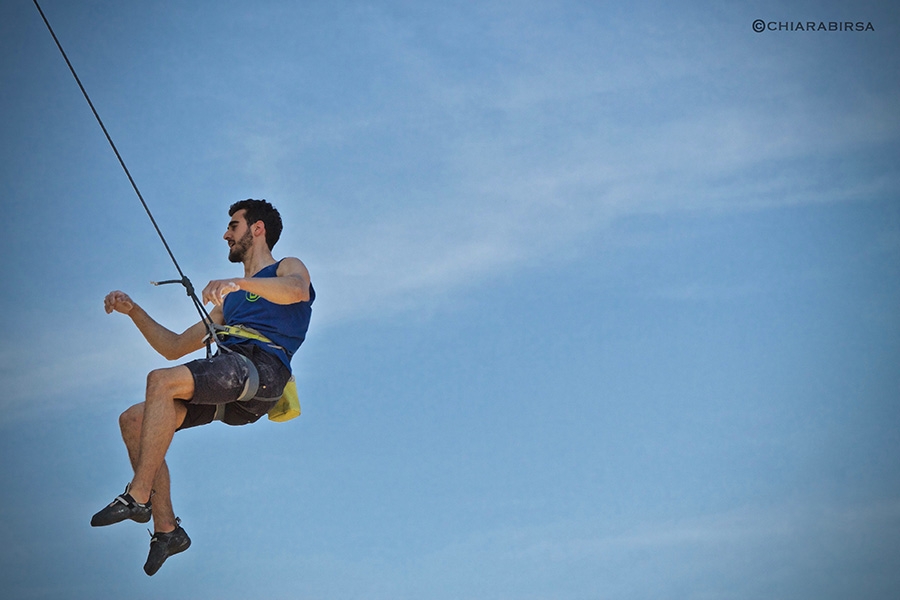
(259, 228)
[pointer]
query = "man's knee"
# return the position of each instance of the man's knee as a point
(130, 420)
(157, 379)
(170, 383)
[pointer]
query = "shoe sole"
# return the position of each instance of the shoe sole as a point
(98, 521)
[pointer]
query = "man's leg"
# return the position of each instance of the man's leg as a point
(163, 515)
(147, 429)
(162, 414)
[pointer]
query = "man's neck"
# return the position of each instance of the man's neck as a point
(257, 260)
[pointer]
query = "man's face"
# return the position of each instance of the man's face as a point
(239, 237)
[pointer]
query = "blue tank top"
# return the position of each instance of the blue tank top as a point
(284, 324)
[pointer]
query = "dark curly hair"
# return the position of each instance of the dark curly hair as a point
(260, 210)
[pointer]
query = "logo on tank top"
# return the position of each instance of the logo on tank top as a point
(251, 297)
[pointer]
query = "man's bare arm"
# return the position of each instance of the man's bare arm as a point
(290, 286)
(165, 341)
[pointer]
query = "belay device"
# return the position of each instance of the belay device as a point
(288, 406)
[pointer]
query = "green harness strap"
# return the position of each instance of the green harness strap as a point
(242, 331)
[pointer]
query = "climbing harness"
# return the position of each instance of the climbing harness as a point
(288, 405)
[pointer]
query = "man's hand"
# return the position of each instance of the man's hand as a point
(216, 290)
(119, 302)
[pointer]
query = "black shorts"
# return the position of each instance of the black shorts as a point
(220, 380)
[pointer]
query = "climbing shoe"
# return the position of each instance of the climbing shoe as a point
(123, 507)
(164, 545)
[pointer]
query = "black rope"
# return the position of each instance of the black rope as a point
(184, 279)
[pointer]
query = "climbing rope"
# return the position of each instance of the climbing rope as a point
(188, 286)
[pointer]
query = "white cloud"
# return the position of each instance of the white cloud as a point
(756, 549)
(451, 166)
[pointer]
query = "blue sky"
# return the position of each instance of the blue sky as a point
(607, 296)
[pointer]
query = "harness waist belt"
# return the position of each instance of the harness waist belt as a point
(247, 333)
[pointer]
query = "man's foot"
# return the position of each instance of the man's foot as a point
(164, 545)
(123, 507)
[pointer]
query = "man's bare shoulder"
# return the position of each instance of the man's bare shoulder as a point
(292, 267)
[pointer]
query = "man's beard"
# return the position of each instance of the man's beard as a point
(237, 252)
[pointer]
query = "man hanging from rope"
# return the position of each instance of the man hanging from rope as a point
(273, 301)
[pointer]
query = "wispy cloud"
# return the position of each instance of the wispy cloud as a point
(781, 546)
(78, 364)
(527, 165)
